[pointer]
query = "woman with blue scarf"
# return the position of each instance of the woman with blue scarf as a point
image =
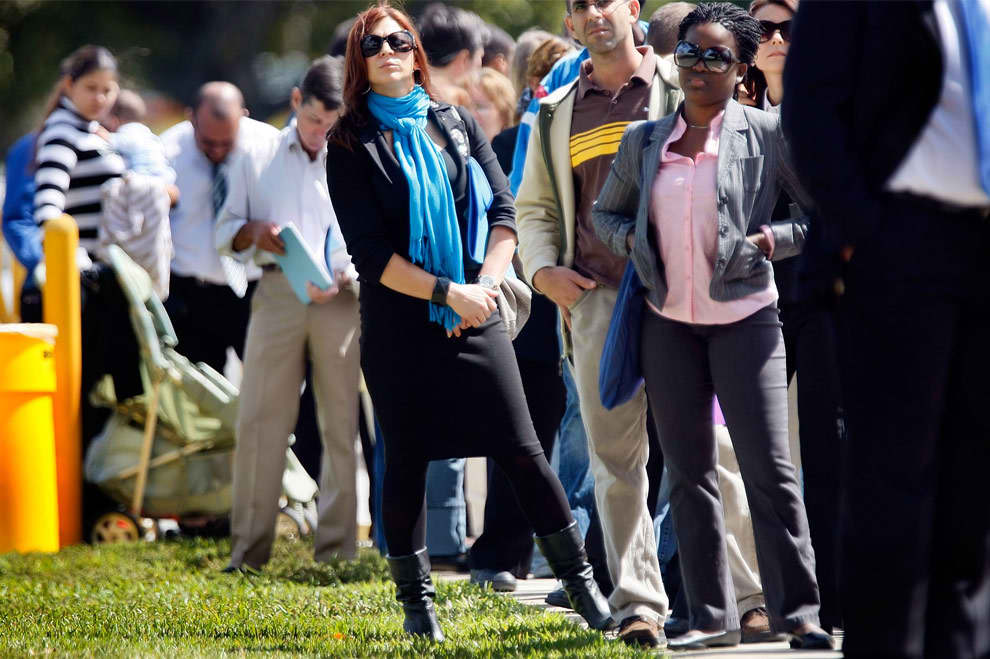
(436, 356)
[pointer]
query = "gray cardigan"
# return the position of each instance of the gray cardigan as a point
(753, 163)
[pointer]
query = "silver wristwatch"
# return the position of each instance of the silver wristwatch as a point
(487, 281)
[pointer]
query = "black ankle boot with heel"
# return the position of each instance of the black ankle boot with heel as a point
(414, 589)
(564, 551)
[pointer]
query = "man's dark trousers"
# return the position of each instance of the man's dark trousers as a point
(208, 318)
(810, 341)
(915, 358)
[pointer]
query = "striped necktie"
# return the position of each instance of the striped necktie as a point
(976, 17)
(233, 270)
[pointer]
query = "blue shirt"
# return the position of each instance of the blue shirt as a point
(21, 232)
(564, 71)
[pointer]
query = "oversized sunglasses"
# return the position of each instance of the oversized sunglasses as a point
(717, 59)
(769, 27)
(400, 42)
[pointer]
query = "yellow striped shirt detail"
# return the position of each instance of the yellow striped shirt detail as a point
(600, 141)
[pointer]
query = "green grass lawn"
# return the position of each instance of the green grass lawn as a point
(169, 598)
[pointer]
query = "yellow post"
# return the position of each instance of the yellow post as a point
(20, 274)
(62, 308)
(28, 489)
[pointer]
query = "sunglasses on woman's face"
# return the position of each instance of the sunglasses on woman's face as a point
(717, 59)
(769, 27)
(400, 42)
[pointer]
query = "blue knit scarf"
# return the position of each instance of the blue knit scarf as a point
(434, 235)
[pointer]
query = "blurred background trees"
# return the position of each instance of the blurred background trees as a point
(167, 49)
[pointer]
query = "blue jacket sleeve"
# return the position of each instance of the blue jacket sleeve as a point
(20, 231)
(563, 73)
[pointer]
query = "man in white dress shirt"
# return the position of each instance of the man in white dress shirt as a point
(209, 316)
(286, 182)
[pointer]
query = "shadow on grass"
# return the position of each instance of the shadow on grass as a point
(293, 562)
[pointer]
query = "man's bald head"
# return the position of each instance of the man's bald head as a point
(215, 117)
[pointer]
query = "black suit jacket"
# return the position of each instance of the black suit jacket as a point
(862, 78)
(370, 193)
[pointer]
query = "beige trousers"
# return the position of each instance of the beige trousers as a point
(618, 451)
(282, 334)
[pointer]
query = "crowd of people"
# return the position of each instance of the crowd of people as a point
(597, 259)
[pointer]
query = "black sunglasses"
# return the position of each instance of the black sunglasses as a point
(717, 59)
(400, 42)
(769, 27)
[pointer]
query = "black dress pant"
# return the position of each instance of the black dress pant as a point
(208, 319)
(743, 363)
(915, 340)
(506, 544)
(810, 341)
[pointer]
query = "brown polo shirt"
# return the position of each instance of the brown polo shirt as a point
(597, 125)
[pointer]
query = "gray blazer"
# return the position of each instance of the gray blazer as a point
(753, 163)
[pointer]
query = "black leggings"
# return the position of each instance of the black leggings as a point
(540, 496)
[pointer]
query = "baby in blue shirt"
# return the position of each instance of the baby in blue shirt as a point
(141, 149)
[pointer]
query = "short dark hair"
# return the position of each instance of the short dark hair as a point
(743, 27)
(338, 42)
(497, 42)
(662, 33)
(324, 81)
(446, 31)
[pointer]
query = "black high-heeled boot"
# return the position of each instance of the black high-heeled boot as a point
(564, 551)
(414, 589)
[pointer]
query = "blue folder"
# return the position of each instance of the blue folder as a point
(300, 265)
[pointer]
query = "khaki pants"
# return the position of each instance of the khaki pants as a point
(619, 451)
(282, 332)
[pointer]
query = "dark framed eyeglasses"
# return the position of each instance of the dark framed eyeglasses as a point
(400, 42)
(717, 59)
(581, 7)
(769, 27)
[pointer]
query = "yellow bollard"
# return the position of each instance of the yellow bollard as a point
(20, 274)
(28, 490)
(62, 308)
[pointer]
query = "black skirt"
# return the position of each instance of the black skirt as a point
(436, 396)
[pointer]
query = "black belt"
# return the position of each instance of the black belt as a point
(943, 207)
(271, 267)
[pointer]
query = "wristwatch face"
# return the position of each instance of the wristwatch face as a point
(487, 281)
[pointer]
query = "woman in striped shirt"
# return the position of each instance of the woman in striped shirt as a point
(73, 157)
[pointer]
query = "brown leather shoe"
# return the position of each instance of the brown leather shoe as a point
(755, 626)
(638, 631)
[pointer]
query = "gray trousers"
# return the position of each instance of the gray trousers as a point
(743, 362)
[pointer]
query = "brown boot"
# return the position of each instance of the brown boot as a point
(755, 626)
(641, 632)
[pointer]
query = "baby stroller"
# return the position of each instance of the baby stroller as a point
(168, 452)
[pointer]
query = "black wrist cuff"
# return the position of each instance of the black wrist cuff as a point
(440, 289)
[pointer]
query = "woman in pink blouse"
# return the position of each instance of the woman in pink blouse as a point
(689, 199)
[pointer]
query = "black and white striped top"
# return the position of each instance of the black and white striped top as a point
(73, 162)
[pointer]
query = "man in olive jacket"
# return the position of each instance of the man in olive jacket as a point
(577, 133)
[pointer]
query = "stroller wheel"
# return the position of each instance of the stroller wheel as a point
(290, 524)
(115, 527)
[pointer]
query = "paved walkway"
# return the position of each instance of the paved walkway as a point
(533, 592)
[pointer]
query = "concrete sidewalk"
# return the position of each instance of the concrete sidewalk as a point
(533, 591)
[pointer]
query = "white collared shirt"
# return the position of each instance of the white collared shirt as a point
(279, 183)
(192, 218)
(943, 163)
